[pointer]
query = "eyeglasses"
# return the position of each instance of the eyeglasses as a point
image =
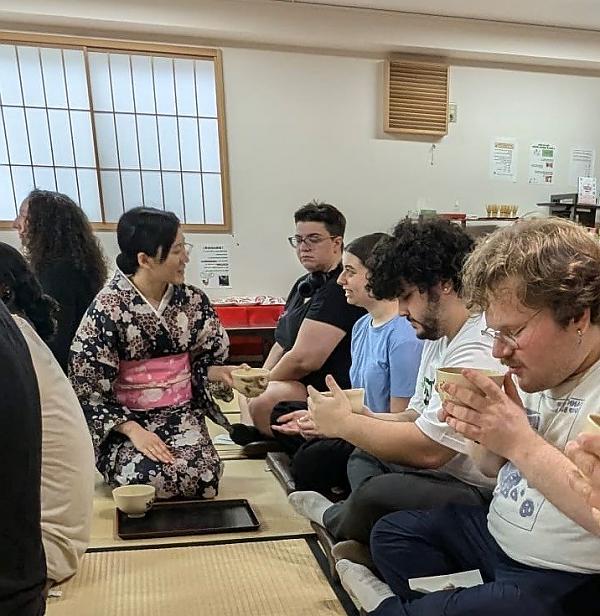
(510, 339)
(309, 240)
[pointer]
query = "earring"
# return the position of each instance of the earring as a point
(580, 334)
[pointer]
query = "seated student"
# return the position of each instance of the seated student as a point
(141, 362)
(385, 360)
(312, 338)
(66, 257)
(67, 452)
(419, 462)
(538, 284)
(22, 563)
(585, 453)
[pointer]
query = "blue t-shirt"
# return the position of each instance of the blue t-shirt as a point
(385, 360)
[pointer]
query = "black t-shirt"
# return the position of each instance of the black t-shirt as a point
(22, 561)
(327, 305)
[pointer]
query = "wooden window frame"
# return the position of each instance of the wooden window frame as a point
(106, 45)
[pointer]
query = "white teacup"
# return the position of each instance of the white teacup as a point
(355, 396)
(445, 376)
(250, 381)
(135, 499)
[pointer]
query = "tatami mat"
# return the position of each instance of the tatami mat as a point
(270, 578)
(227, 452)
(230, 407)
(249, 479)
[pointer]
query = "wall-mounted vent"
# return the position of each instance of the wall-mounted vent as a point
(416, 97)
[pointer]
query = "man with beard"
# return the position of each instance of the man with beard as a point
(416, 462)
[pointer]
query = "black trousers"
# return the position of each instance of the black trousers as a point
(379, 488)
(318, 464)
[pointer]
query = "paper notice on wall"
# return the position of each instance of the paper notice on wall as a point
(215, 270)
(587, 192)
(503, 159)
(542, 161)
(581, 164)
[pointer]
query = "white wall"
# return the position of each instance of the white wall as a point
(303, 125)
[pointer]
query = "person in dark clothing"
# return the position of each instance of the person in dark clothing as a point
(312, 338)
(22, 561)
(66, 258)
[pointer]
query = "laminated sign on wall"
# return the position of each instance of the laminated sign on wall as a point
(214, 266)
(542, 160)
(503, 159)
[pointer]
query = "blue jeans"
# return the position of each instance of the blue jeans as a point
(411, 544)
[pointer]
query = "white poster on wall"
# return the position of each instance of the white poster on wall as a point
(581, 164)
(215, 272)
(503, 159)
(542, 161)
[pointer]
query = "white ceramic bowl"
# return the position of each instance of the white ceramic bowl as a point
(250, 381)
(355, 396)
(135, 499)
(453, 375)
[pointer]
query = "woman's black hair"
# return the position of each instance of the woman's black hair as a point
(147, 230)
(22, 293)
(362, 247)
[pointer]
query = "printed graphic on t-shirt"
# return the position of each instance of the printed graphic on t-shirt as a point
(514, 501)
(427, 389)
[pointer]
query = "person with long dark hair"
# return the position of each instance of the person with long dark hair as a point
(65, 256)
(67, 481)
(142, 360)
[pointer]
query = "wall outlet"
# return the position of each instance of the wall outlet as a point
(452, 112)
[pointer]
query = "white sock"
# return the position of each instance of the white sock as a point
(311, 505)
(360, 583)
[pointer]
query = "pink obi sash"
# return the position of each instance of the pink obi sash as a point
(153, 383)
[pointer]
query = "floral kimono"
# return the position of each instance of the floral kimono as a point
(130, 361)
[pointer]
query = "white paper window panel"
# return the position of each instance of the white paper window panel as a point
(89, 197)
(173, 193)
(16, 135)
(66, 183)
(111, 195)
(76, 80)
(106, 140)
(39, 136)
(3, 150)
(62, 137)
(152, 184)
(100, 81)
(132, 189)
(120, 77)
(169, 143)
(81, 122)
(45, 179)
(164, 85)
(148, 140)
(30, 68)
(54, 78)
(23, 182)
(205, 88)
(10, 92)
(127, 140)
(193, 198)
(185, 87)
(209, 145)
(189, 144)
(8, 208)
(213, 198)
(143, 84)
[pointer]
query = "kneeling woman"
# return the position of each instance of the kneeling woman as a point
(141, 363)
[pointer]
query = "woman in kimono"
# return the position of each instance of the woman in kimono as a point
(142, 360)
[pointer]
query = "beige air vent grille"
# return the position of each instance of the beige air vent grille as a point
(416, 97)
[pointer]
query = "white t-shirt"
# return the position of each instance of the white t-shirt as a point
(67, 463)
(529, 528)
(468, 349)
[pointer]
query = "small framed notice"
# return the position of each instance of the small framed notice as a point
(587, 193)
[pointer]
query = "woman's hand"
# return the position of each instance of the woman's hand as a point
(585, 453)
(146, 442)
(223, 373)
(297, 423)
(494, 418)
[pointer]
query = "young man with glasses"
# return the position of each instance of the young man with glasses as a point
(536, 548)
(312, 338)
(419, 462)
